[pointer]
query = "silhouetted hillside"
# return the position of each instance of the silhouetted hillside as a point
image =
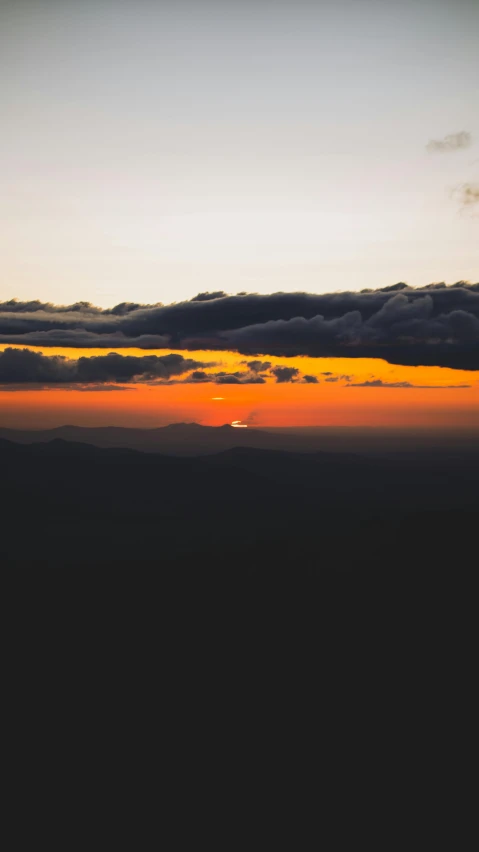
(182, 439)
(193, 439)
(242, 509)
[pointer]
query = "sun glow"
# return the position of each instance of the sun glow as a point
(348, 392)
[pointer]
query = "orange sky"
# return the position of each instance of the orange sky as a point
(270, 404)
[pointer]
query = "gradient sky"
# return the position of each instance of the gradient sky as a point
(152, 150)
(432, 397)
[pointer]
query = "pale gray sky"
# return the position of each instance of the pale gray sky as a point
(152, 150)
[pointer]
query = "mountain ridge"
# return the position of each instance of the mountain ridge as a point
(182, 439)
(196, 439)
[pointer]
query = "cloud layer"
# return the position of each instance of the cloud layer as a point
(19, 367)
(378, 383)
(436, 325)
(22, 366)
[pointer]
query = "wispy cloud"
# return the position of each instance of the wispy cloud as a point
(467, 193)
(338, 378)
(451, 142)
(378, 383)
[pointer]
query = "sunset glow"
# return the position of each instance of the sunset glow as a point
(437, 397)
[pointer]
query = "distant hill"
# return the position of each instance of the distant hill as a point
(180, 439)
(242, 509)
(194, 439)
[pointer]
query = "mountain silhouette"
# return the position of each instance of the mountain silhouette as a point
(243, 509)
(195, 439)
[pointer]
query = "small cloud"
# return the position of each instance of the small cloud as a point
(228, 380)
(257, 366)
(338, 378)
(310, 380)
(451, 142)
(223, 378)
(198, 376)
(467, 193)
(378, 383)
(285, 374)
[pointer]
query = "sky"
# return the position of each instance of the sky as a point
(151, 151)
(410, 398)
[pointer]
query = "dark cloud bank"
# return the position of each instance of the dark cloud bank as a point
(22, 366)
(436, 325)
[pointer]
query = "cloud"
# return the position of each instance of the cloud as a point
(223, 378)
(81, 339)
(436, 325)
(258, 366)
(310, 380)
(228, 379)
(337, 378)
(198, 376)
(378, 383)
(237, 378)
(285, 374)
(467, 194)
(206, 297)
(451, 142)
(22, 366)
(252, 418)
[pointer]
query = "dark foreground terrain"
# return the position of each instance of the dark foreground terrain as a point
(242, 510)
